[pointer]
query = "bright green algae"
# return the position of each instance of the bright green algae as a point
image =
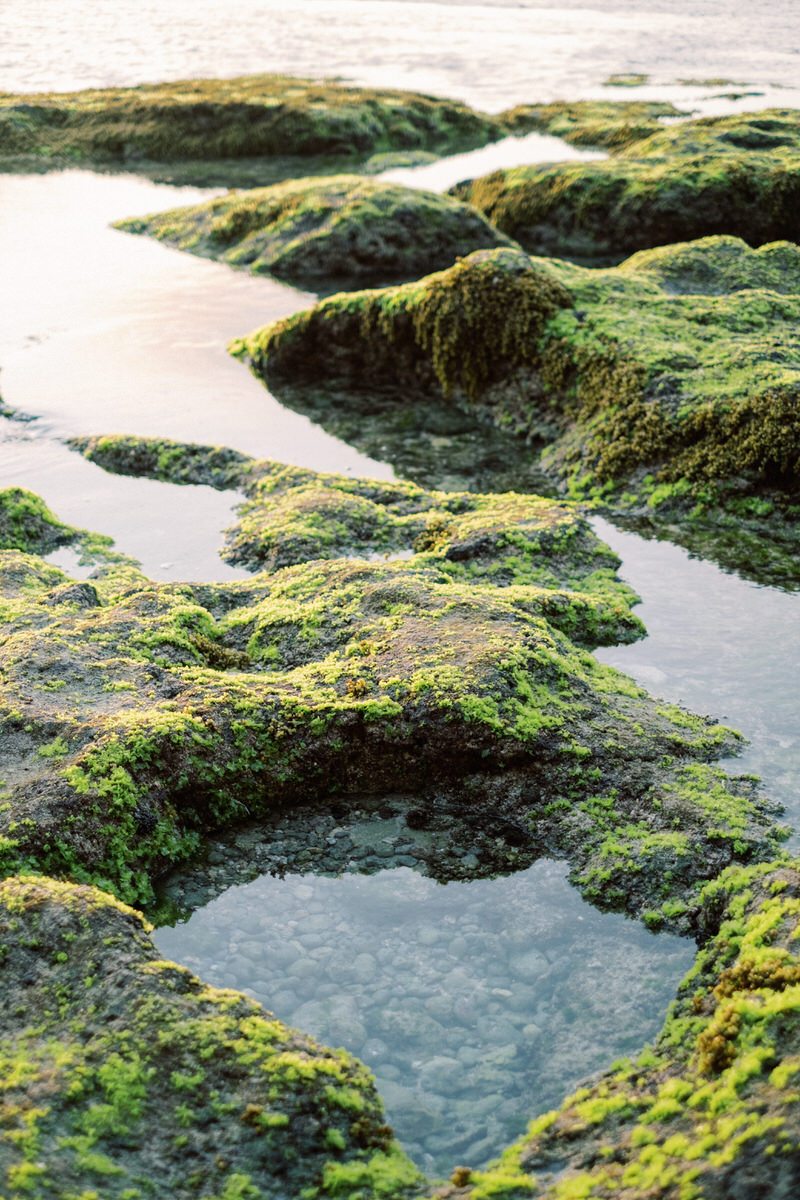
(667, 385)
(142, 715)
(124, 1076)
(727, 175)
(342, 227)
(710, 1111)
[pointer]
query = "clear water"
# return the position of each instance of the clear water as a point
(476, 1005)
(720, 644)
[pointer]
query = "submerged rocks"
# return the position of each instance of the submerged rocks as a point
(132, 727)
(710, 1111)
(252, 116)
(667, 383)
(341, 227)
(125, 1070)
(735, 175)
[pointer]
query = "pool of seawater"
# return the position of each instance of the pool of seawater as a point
(476, 1005)
(718, 644)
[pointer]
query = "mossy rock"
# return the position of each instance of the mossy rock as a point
(136, 723)
(293, 515)
(710, 1111)
(607, 124)
(127, 1073)
(732, 175)
(343, 228)
(666, 385)
(27, 524)
(247, 117)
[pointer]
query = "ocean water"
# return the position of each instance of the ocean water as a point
(492, 55)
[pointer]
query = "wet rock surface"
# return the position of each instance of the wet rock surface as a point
(732, 175)
(230, 119)
(341, 230)
(125, 1070)
(691, 416)
(182, 708)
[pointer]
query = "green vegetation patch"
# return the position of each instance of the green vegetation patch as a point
(735, 175)
(247, 117)
(712, 1107)
(137, 716)
(125, 1076)
(667, 384)
(341, 227)
(607, 124)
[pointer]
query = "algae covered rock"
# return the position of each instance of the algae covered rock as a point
(211, 119)
(341, 227)
(730, 175)
(134, 725)
(611, 124)
(126, 1073)
(669, 383)
(710, 1111)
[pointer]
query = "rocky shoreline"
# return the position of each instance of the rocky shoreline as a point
(400, 641)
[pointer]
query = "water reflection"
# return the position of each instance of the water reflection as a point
(475, 1004)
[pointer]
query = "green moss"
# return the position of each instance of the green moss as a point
(93, 1093)
(186, 708)
(259, 115)
(341, 227)
(649, 397)
(610, 124)
(715, 1094)
(731, 175)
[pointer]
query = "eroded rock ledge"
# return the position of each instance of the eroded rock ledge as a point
(666, 386)
(735, 175)
(460, 673)
(255, 116)
(341, 228)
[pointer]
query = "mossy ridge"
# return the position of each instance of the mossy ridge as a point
(246, 117)
(292, 515)
(710, 1111)
(608, 124)
(652, 398)
(139, 716)
(342, 227)
(733, 175)
(28, 525)
(125, 1073)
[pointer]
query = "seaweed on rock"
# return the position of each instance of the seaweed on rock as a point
(737, 175)
(667, 385)
(342, 227)
(126, 1072)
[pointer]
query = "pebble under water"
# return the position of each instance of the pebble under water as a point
(477, 1004)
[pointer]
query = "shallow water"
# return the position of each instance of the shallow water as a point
(720, 644)
(104, 332)
(475, 1004)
